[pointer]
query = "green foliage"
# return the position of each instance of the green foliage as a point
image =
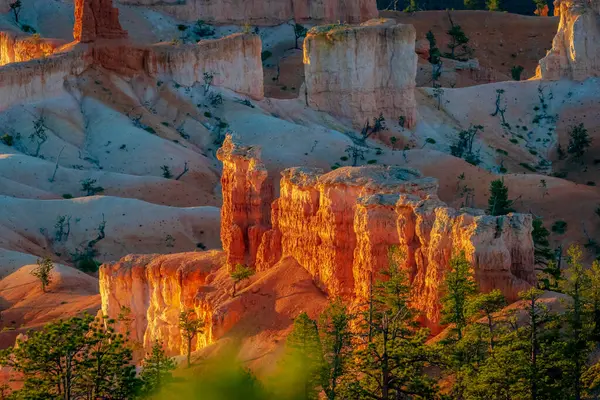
(190, 326)
(89, 187)
(240, 273)
(7, 139)
(336, 343)
(15, 7)
(459, 286)
(74, 359)
(43, 271)
(391, 359)
(303, 356)
(202, 29)
(579, 141)
(494, 5)
(299, 32)
(540, 5)
(543, 253)
(458, 41)
(156, 370)
(559, 227)
(516, 72)
(463, 147)
(498, 203)
(166, 172)
(475, 4)
(265, 55)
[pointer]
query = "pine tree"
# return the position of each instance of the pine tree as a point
(303, 357)
(498, 203)
(576, 285)
(391, 360)
(43, 271)
(189, 326)
(493, 5)
(459, 285)
(593, 297)
(458, 40)
(240, 273)
(156, 370)
(336, 338)
(77, 358)
(486, 304)
(579, 141)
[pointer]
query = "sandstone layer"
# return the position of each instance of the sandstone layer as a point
(14, 48)
(150, 292)
(362, 71)
(233, 60)
(343, 226)
(96, 19)
(575, 53)
(265, 12)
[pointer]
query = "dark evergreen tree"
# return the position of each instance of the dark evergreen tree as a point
(156, 370)
(498, 203)
(459, 286)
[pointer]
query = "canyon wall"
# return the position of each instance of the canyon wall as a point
(234, 60)
(264, 12)
(343, 226)
(363, 70)
(38, 79)
(575, 53)
(96, 19)
(150, 291)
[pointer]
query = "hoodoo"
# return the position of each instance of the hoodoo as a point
(96, 19)
(575, 53)
(361, 71)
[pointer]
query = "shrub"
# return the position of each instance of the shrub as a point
(202, 29)
(579, 141)
(207, 114)
(559, 227)
(265, 55)
(67, 196)
(516, 72)
(527, 167)
(7, 139)
(372, 162)
(166, 172)
(504, 152)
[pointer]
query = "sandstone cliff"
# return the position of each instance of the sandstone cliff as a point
(361, 71)
(575, 53)
(150, 291)
(234, 60)
(342, 226)
(96, 19)
(265, 12)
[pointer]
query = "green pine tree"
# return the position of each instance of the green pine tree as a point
(77, 358)
(390, 362)
(240, 273)
(336, 341)
(486, 305)
(459, 286)
(303, 359)
(498, 203)
(156, 370)
(190, 326)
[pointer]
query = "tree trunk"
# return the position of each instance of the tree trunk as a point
(189, 354)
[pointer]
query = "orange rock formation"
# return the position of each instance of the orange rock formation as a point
(361, 71)
(15, 48)
(96, 19)
(341, 226)
(152, 290)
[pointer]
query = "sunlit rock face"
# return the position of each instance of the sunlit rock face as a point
(247, 197)
(265, 12)
(150, 291)
(361, 71)
(346, 226)
(96, 19)
(15, 48)
(575, 53)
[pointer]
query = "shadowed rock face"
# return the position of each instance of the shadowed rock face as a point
(342, 227)
(96, 19)
(361, 71)
(265, 12)
(575, 53)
